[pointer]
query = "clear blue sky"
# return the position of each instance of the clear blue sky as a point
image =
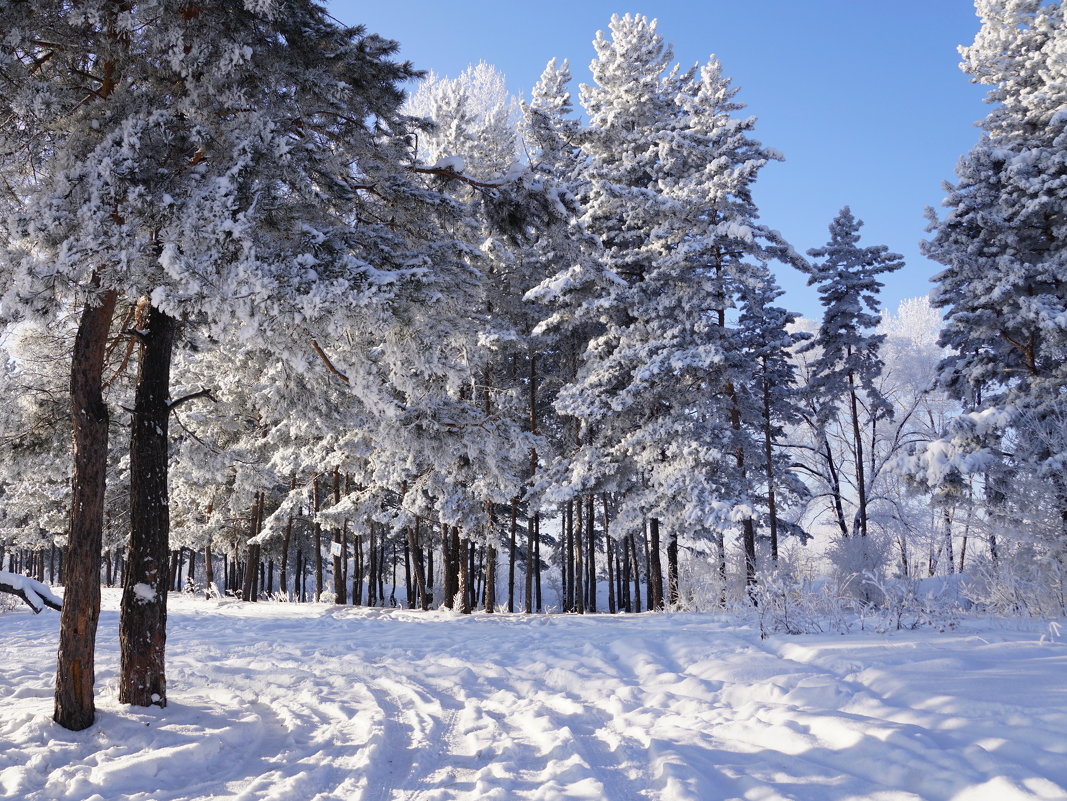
(865, 99)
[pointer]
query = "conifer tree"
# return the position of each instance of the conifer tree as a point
(1003, 289)
(847, 361)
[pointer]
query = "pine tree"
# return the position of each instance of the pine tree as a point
(848, 363)
(1003, 289)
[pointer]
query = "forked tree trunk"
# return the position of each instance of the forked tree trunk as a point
(143, 622)
(75, 670)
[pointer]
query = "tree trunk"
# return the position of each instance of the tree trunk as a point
(673, 596)
(420, 572)
(861, 483)
(635, 565)
(143, 623)
(654, 566)
(579, 572)
(527, 606)
(340, 587)
(490, 579)
(75, 669)
(463, 588)
(590, 571)
(316, 505)
(512, 537)
(283, 568)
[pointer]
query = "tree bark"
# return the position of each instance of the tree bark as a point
(75, 670)
(489, 602)
(654, 566)
(340, 588)
(463, 573)
(143, 621)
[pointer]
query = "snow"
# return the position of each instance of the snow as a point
(284, 701)
(36, 593)
(144, 592)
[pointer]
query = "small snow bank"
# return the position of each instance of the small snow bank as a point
(33, 593)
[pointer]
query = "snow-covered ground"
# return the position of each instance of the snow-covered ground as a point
(314, 702)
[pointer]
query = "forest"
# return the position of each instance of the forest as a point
(285, 319)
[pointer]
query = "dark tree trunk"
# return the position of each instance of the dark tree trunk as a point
(579, 572)
(748, 536)
(340, 586)
(463, 590)
(316, 505)
(654, 568)
(490, 579)
(673, 595)
(446, 567)
(590, 524)
(283, 568)
(209, 571)
(537, 560)
(357, 580)
(636, 566)
(528, 577)
(75, 670)
(143, 623)
(568, 578)
(512, 536)
(415, 547)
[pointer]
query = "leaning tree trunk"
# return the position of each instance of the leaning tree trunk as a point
(75, 671)
(143, 622)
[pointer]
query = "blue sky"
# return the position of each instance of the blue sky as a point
(864, 99)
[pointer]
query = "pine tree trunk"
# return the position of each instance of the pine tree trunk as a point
(861, 483)
(590, 521)
(768, 454)
(143, 623)
(316, 503)
(654, 565)
(75, 669)
(463, 588)
(512, 539)
(340, 588)
(673, 596)
(490, 579)
(529, 576)
(209, 571)
(537, 560)
(357, 580)
(420, 573)
(283, 570)
(636, 568)
(579, 572)
(748, 538)
(568, 578)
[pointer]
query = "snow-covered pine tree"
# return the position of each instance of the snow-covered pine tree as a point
(226, 163)
(669, 173)
(1003, 290)
(772, 398)
(847, 362)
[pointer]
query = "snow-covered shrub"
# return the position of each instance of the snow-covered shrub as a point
(1025, 581)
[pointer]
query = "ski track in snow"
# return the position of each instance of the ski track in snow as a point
(279, 702)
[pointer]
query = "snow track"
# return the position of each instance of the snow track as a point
(276, 702)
